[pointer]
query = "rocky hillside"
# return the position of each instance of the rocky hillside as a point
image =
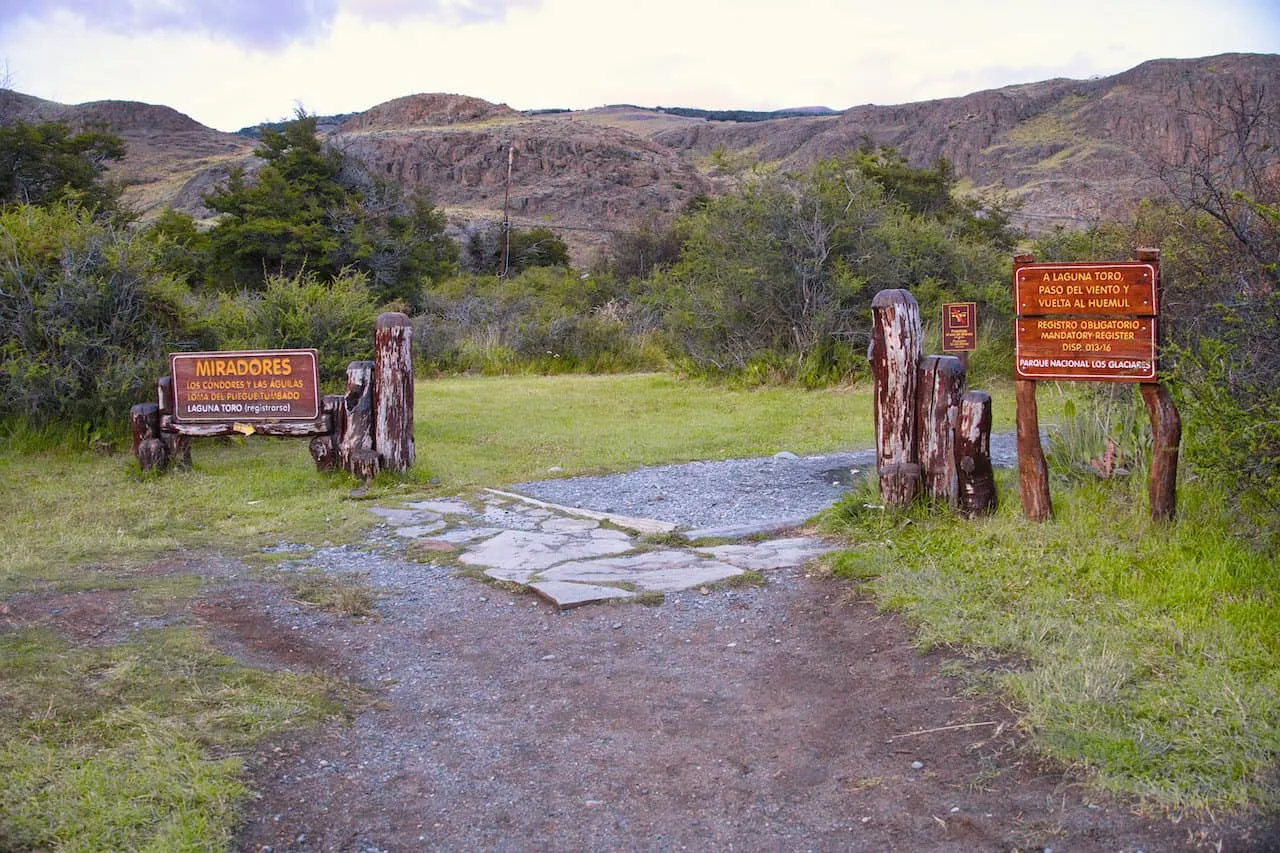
(170, 160)
(1069, 150)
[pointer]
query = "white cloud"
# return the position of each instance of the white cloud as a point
(752, 54)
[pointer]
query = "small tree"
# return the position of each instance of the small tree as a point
(311, 209)
(50, 163)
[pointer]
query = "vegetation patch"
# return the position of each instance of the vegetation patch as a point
(127, 747)
(1148, 654)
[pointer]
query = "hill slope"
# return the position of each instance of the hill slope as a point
(1069, 150)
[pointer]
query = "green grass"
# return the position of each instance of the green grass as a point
(127, 747)
(1148, 655)
(502, 430)
(132, 746)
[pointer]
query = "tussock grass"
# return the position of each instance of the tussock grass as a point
(1146, 654)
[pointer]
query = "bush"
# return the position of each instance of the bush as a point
(547, 319)
(301, 312)
(88, 316)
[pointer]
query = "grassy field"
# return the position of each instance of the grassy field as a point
(1148, 655)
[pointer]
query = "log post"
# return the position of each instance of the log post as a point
(324, 448)
(179, 446)
(393, 391)
(976, 479)
(895, 362)
(1033, 471)
(144, 422)
(1166, 433)
(940, 388)
(356, 444)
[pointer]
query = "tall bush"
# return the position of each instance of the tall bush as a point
(88, 315)
(334, 317)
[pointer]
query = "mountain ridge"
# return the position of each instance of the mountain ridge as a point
(1069, 151)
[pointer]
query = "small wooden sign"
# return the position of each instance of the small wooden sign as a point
(1120, 349)
(244, 388)
(1127, 288)
(959, 326)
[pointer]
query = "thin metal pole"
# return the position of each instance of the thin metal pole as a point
(505, 265)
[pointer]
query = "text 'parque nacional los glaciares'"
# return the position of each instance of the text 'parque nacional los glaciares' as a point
(267, 385)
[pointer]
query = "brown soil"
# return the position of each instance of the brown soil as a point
(789, 717)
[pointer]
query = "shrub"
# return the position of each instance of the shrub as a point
(88, 316)
(299, 312)
(547, 319)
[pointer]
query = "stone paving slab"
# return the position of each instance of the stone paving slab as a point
(566, 595)
(571, 557)
(773, 554)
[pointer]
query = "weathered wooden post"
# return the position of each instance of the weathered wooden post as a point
(1166, 434)
(324, 448)
(393, 391)
(895, 362)
(976, 480)
(1033, 470)
(144, 422)
(941, 385)
(355, 449)
(178, 445)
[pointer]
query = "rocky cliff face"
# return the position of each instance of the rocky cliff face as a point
(1070, 151)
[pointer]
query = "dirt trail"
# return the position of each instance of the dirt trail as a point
(787, 717)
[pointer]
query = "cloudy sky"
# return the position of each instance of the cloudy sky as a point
(232, 63)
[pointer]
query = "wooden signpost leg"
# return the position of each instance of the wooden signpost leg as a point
(895, 365)
(1033, 471)
(1166, 434)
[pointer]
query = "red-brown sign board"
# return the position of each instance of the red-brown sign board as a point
(959, 326)
(1085, 289)
(246, 387)
(1068, 348)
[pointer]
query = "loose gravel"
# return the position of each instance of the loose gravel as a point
(729, 494)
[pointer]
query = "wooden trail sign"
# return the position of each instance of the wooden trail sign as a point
(1127, 288)
(1118, 349)
(259, 386)
(276, 392)
(959, 326)
(1092, 322)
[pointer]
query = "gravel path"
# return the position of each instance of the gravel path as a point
(735, 493)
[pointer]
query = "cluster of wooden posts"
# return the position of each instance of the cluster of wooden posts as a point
(365, 430)
(933, 436)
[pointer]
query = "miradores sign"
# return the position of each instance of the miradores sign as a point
(276, 392)
(245, 386)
